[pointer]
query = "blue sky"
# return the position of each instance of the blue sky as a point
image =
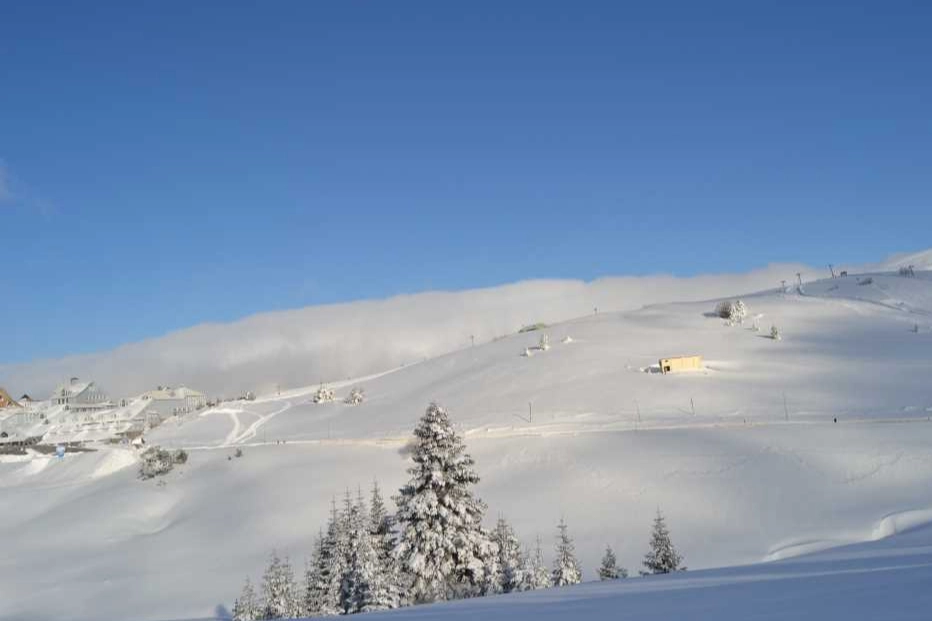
(167, 163)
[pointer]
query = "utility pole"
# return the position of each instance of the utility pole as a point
(831, 269)
(799, 278)
(783, 286)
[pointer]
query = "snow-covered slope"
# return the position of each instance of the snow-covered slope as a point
(743, 457)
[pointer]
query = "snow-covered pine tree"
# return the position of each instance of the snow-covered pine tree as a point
(609, 570)
(247, 607)
(775, 333)
(565, 566)
(317, 602)
(330, 566)
(442, 546)
(739, 311)
(662, 557)
(536, 574)
(382, 529)
(279, 591)
(510, 558)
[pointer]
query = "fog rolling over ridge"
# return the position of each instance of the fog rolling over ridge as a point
(331, 342)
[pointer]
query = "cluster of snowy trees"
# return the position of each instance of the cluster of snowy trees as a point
(732, 311)
(156, 461)
(433, 548)
(356, 396)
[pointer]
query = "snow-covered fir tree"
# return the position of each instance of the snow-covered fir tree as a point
(318, 598)
(247, 606)
(382, 529)
(330, 567)
(536, 573)
(280, 594)
(775, 333)
(544, 343)
(565, 566)
(511, 562)
(442, 546)
(609, 570)
(363, 573)
(662, 558)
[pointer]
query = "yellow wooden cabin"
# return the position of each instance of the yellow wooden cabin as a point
(680, 363)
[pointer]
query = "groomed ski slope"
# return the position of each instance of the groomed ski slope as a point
(744, 458)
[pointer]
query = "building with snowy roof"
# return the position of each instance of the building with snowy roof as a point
(167, 401)
(81, 396)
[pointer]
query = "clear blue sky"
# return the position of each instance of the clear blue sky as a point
(172, 163)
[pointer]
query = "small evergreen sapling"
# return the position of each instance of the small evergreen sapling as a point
(536, 575)
(510, 559)
(565, 566)
(247, 607)
(662, 558)
(609, 569)
(279, 591)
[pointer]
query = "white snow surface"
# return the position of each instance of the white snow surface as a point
(744, 458)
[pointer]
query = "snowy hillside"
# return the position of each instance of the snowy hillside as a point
(744, 457)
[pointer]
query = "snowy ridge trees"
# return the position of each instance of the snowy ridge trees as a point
(442, 546)
(433, 548)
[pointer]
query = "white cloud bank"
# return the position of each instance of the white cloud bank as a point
(332, 342)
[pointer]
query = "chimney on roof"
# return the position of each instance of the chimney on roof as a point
(74, 381)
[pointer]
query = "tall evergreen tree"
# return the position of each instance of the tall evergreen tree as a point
(510, 559)
(662, 558)
(442, 546)
(247, 606)
(279, 591)
(565, 566)
(609, 570)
